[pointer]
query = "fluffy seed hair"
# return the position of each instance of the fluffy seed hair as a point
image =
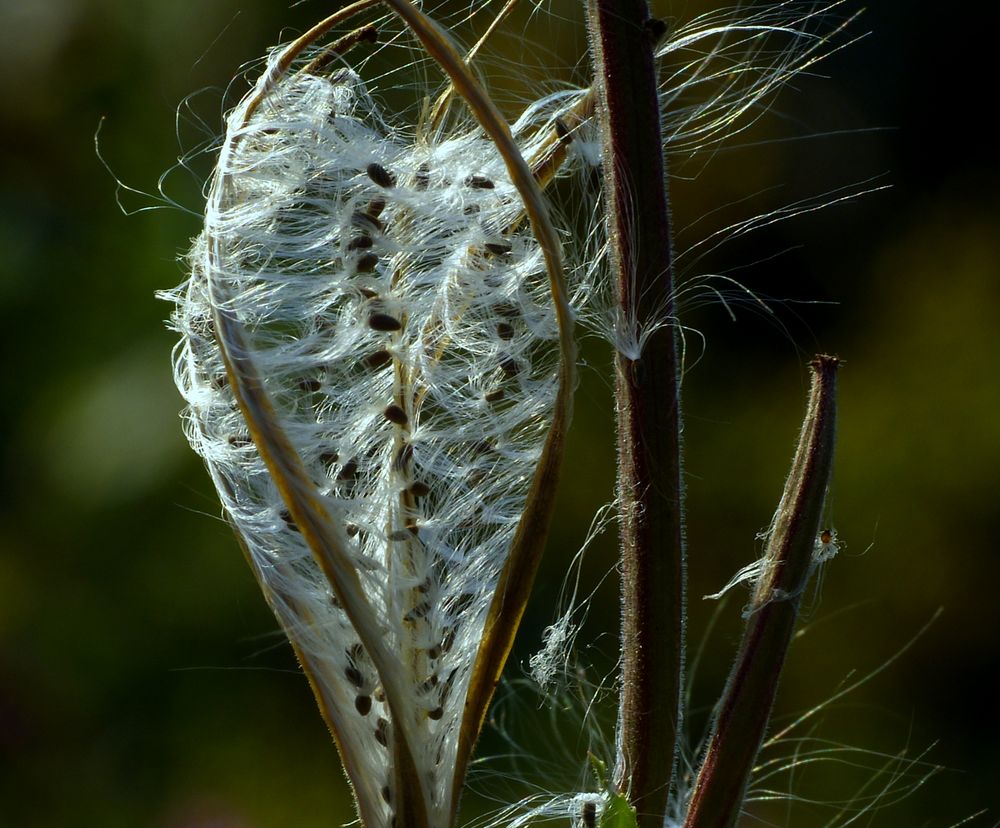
(399, 314)
(379, 287)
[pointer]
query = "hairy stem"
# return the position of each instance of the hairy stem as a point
(648, 402)
(746, 702)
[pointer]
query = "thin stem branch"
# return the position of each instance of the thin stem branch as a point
(648, 402)
(746, 702)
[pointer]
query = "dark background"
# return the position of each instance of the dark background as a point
(142, 682)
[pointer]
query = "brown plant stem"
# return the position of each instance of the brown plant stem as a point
(622, 38)
(746, 702)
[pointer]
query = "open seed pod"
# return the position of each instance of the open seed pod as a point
(377, 367)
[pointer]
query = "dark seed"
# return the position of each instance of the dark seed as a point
(353, 675)
(363, 704)
(494, 396)
(367, 262)
(348, 470)
(380, 175)
(384, 322)
(366, 221)
(352, 529)
(310, 385)
(382, 732)
(379, 359)
(436, 713)
(460, 604)
(505, 331)
(510, 366)
(360, 243)
(368, 293)
(289, 520)
(329, 457)
(404, 457)
(375, 208)
(239, 440)
(419, 489)
(562, 131)
(394, 414)
(419, 611)
(499, 248)
(589, 815)
(386, 793)
(423, 177)
(479, 182)
(352, 672)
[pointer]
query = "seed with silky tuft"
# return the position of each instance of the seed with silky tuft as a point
(419, 489)
(366, 221)
(394, 414)
(380, 175)
(499, 248)
(360, 243)
(384, 322)
(379, 359)
(367, 262)
(382, 732)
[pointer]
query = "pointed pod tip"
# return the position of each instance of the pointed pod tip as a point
(826, 362)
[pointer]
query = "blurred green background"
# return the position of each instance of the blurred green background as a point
(142, 682)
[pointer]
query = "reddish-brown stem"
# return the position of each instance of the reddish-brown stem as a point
(746, 702)
(648, 402)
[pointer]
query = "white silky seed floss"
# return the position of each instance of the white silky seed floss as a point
(401, 319)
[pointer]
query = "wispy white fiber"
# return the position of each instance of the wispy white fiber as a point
(559, 638)
(398, 310)
(399, 314)
(719, 74)
(748, 575)
(825, 549)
